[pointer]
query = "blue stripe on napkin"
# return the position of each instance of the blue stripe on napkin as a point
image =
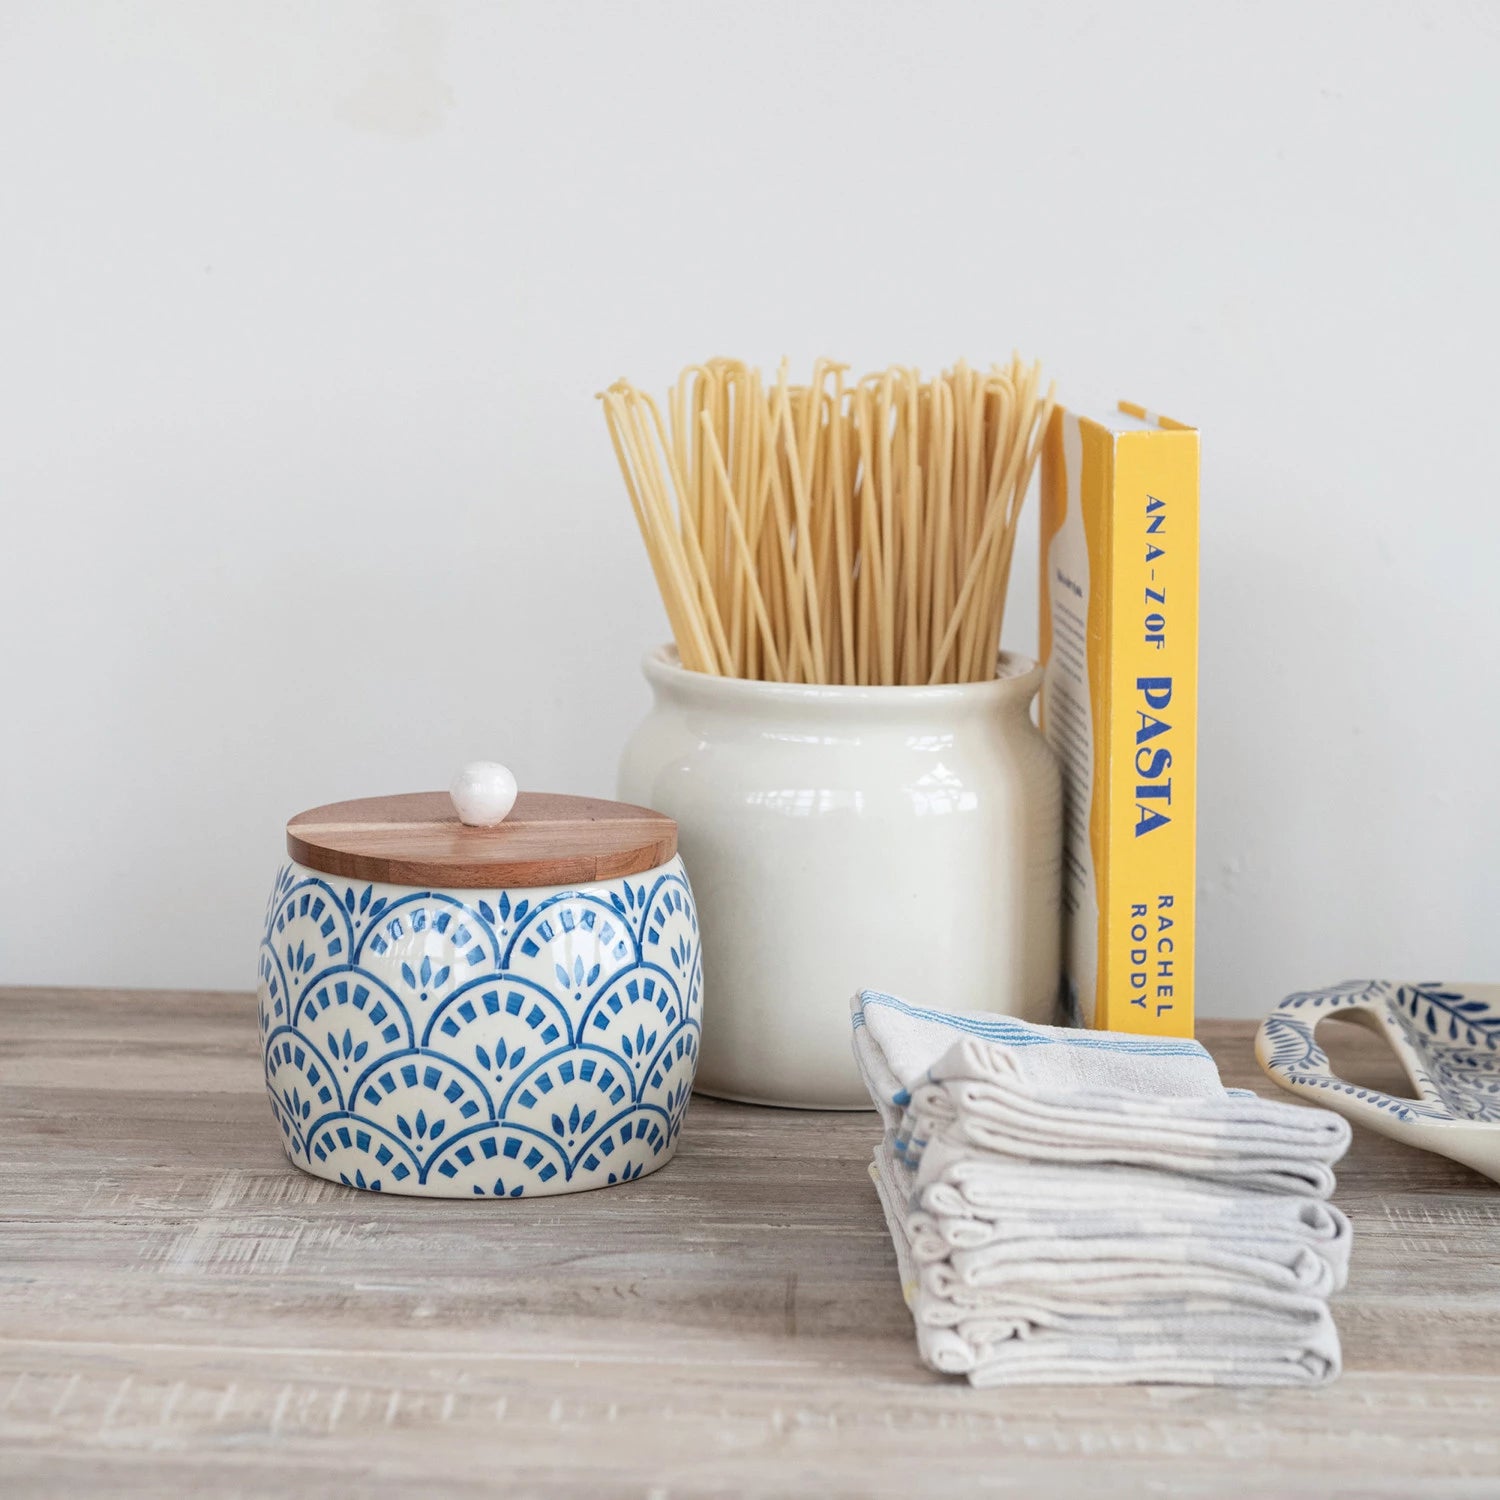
(1014, 1033)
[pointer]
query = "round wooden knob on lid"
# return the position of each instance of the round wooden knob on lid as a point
(419, 839)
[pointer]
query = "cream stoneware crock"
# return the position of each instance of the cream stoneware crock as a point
(499, 1041)
(906, 839)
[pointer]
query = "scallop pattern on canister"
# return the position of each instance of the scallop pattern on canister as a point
(506, 1043)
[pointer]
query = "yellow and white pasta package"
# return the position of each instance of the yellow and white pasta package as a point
(1119, 640)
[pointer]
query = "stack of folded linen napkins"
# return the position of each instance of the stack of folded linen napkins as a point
(1087, 1207)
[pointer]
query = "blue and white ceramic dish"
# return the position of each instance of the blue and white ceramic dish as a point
(1446, 1038)
(466, 1043)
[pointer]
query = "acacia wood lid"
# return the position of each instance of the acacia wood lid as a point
(417, 839)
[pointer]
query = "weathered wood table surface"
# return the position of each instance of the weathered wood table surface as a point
(183, 1313)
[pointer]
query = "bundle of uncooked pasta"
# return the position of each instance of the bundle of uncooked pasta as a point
(842, 531)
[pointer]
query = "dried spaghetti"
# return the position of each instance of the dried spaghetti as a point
(834, 532)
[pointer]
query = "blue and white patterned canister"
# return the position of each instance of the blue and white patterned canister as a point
(480, 1012)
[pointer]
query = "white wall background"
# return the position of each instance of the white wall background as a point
(305, 495)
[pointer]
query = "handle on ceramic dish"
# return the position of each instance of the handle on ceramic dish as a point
(1287, 1047)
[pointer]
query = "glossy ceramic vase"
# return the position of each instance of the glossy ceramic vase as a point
(905, 839)
(480, 1043)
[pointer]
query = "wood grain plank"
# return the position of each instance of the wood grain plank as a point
(181, 1311)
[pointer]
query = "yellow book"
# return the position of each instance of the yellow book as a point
(1119, 640)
